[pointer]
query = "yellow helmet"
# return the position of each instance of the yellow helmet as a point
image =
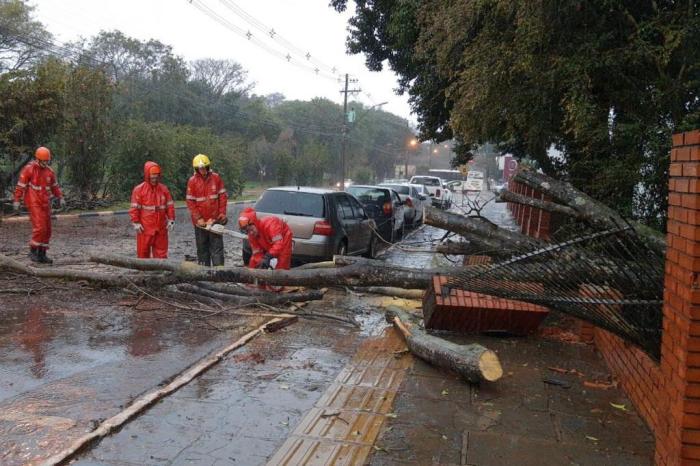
(200, 160)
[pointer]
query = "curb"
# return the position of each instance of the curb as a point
(106, 213)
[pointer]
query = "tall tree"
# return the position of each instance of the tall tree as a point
(23, 40)
(600, 80)
(84, 132)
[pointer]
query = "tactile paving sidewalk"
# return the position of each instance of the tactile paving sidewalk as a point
(344, 424)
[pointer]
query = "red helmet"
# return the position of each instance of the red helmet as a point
(43, 154)
(246, 218)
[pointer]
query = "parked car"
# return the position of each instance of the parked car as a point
(441, 196)
(384, 206)
(414, 199)
(324, 222)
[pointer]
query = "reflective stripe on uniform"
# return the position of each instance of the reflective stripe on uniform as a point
(255, 251)
(197, 199)
(214, 196)
(21, 185)
(276, 238)
(171, 203)
(222, 191)
(136, 206)
(150, 207)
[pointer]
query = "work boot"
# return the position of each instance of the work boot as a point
(42, 257)
(34, 255)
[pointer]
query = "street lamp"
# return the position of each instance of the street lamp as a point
(412, 143)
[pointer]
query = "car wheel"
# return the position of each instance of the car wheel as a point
(342, 248)
(371, 252)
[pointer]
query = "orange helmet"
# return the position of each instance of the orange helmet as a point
(43, 154)
(246, 218)
(154, 170)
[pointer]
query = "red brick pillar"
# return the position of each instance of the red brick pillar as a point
(678, 429)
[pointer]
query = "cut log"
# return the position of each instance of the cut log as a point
(473, 362)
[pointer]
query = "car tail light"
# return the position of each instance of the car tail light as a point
(409, 202)
(388, 208)
(323, 228)
(437, 193)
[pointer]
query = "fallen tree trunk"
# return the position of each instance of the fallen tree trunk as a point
(484, 235)
(587, 209)
(116, 280)
(473, 362)
(352, 275)
(508, 196)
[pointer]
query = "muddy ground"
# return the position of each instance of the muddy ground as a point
(72, 355)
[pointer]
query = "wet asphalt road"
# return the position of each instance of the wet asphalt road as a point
(71, 356)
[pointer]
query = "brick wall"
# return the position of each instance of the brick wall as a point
(532, 221)
(666, 393)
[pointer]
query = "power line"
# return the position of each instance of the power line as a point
(254, 39)
(277, 37)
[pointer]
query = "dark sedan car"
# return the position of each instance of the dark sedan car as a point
(323, 222)
(383, 205)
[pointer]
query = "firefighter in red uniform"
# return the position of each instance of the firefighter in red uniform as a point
(269, 238)
(37, 182)
(207, 202)
(152, 214)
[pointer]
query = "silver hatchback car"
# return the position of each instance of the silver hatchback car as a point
(324, 223)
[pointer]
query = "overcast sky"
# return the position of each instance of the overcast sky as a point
(306, 25)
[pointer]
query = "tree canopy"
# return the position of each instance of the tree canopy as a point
(604, 82)
(106, 104)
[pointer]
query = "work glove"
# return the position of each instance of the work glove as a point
(62, 203)
(222, 220)
(265, 262)
(171, 224)
(15, 207)
(209, 222)
(201, 222)
(138, 227)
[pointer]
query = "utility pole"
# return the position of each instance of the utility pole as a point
(343, 146)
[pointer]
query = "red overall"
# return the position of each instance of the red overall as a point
(206, 197)
(152, 207)
(36, 185)
(275, 238)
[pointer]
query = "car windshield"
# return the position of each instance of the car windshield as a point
(369, 194)
(428, 181)
(399, 188)
(291, 203)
